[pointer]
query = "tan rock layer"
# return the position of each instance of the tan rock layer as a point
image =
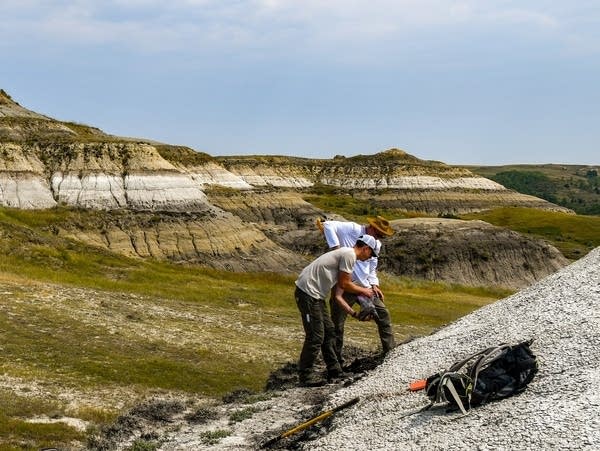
(389, 169)
(453, 202)
(216, 239)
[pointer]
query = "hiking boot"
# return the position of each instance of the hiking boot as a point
(338, 375)
(311, 380)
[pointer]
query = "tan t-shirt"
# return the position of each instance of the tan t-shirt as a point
(318, 278)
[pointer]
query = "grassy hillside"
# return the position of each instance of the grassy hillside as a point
(573, 235)
(342, 202)
(87, 333)
(573, 186)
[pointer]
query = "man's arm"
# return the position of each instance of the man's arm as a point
(337, 294)
(330, 232)
(345, 284)
(372, 277)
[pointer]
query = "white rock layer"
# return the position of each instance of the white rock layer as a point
(214, 174)
(101, 191)
(172, 192)
(167, 191)
(24, 190)
(414, 182)
(271, 177)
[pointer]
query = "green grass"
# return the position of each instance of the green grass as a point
(19, 434)
(214, 437)
(242, 414)
(79, 319)
(573, 186)
(342, 202)
(573, 235)
(16, 433)
(183, 155)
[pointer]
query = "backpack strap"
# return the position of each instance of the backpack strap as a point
(448, 383)
(458, 365)
(487, 356)
(417, 410)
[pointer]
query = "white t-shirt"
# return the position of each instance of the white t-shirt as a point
(318, 278)
(345, 234)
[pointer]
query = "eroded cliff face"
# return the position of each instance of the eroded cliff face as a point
(391, 169)
(213, 238)
(247, 213)
(468, 252)
(44, 162)
(390, 179)
(105, 175)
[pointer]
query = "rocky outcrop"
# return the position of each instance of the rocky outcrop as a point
(213, 238)
(452, 202)
(44, 162)
(392, 169)
(390, 179)
(467, 252)
(464, 252)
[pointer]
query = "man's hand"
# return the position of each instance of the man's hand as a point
(364, 316)
(377, 292)
(367, 309)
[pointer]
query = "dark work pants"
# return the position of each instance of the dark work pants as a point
(384, 324)
(319, 334)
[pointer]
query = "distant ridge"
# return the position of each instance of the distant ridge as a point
(10, 108)
(49, 161)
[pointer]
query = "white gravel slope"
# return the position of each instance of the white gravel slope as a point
(559, 410)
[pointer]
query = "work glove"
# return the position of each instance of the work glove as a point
(367, 309)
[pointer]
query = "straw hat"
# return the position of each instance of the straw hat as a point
(381, 224)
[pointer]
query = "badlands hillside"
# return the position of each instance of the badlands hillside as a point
(559, 410)
(154, 200)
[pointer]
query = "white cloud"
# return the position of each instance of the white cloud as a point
(521, 16)
(156, 25)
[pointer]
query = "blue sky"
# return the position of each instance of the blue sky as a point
(464, 82)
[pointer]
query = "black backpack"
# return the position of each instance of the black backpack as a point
(492, 374)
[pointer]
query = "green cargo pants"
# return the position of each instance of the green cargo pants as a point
(384, 324)
(319, 335)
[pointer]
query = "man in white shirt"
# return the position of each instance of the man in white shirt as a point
(344, 234)
(312, 287)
